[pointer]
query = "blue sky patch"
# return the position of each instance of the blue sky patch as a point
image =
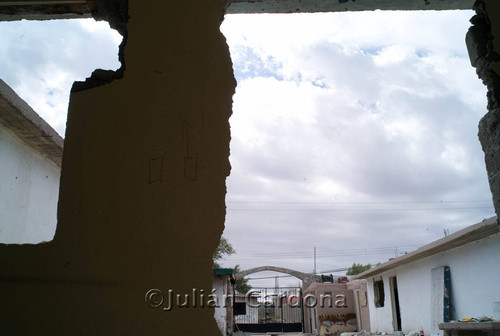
(253, 65)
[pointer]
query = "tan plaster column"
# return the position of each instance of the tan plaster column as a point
(142, 189)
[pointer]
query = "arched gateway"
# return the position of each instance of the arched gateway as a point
(307, 278)
(273, 309)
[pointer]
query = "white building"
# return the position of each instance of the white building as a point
(455, 277)
(30, 168)
(223, 290)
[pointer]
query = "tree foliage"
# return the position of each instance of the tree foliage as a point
(358, 268)
(224, 249)
(241, 285)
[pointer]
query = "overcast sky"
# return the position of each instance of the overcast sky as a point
(355, 133)
(351, 133)
(40, 60)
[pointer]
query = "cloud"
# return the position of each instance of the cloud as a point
(350, 128)
(40, 60)
(373, 112)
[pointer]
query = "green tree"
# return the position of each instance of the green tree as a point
(241, 285)
(357, 269)
(224, 249)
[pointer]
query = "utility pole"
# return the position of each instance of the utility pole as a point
(314, 270)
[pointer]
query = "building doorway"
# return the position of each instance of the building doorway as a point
(396, 311)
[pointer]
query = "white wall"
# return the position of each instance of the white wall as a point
(220, 292)
(252, 309)
(380, 317)
(475, 279)
(29, 190)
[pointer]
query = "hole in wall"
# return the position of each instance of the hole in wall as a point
(379, 293)
(40, 61)
(355, 133)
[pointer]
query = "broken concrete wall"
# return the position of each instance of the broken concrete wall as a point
(142, 189)
(329, 303)
(360, 290)
(484, 52)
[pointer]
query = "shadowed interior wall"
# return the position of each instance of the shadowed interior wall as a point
(142, 189)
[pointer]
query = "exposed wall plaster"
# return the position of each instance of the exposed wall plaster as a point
(10, 11)
(482, 55)
(115, 12)
(141, 203)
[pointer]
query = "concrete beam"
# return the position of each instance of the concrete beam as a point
(46, 10)
(312, 6)
(18, 117)
(67, 9)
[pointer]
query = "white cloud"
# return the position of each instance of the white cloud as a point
(361, 107)
(363, 110)
(40, 60)
(393, 54)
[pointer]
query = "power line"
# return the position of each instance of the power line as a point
(336, 270)
(309, 256)
(357, 210)
(355, 202)
(330, 251)
(300, 257)
(329, 254)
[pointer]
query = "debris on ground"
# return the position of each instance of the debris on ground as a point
(483, 318)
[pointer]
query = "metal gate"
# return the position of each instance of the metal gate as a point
(265, 310)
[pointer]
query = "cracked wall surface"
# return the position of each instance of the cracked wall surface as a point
(484, 56)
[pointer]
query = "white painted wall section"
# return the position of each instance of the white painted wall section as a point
(380, 317)
(475, 279)
(220, 292)
(29, 191)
